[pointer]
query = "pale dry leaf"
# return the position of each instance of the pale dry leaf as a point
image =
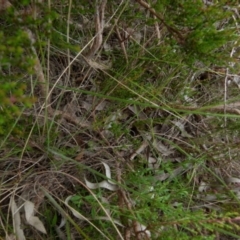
(136, 111)
(137, 36)
(233, 180)
(75, 212)
(31, 219)
(141, 228)
(107, 134)
(179, 171)
(151, 192)
(71, 108)
(108, 184)
(162, 176)
(108, 172)
(96, 65)
(203, 187)
(107, 47)
(16, 220)
(62, 223)
(101, 105)
(111, 119)
(102, 184)
(181, 126)
(208, 197)
(213, 197)
(139, 150)
(187, 98)
(153, 163)
(165, 151)
(86, 105)
(61, 233)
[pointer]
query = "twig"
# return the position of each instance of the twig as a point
(175, 32)
(121, 42)
(157, 31)
(99, 25)
(230, 108)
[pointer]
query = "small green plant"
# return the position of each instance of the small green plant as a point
(16, 59)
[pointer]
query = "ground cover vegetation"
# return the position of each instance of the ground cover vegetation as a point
(119, 119)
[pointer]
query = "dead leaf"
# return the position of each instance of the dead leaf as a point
(108, 184)
(16, 220)
(153, 163)
(31, 219)
(102, 184)
(140, 228)
(139, 150)
(165, 151)
(96, 65)
(180, 124)
(203, 187)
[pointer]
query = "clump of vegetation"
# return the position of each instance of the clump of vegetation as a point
(119, 120)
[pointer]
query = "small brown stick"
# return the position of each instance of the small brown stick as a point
(121, 42)
(157, 31)
(175, 32)
(99, 25)
(229, 108)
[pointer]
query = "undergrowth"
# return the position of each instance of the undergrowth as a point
(119, 120)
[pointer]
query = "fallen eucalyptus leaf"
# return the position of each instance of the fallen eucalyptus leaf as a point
(103, 184)
(31, 219)
(108, 172)
(75, 212)
(165, 151)
(16, 220)
(61, 233)
(108, 184)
